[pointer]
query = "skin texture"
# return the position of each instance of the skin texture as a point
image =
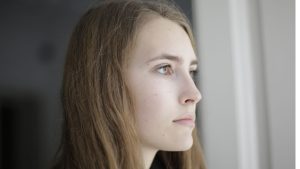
(159, 76)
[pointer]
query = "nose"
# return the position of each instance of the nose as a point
(190, 94)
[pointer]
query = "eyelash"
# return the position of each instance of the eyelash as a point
(193, 73)
(171, 71)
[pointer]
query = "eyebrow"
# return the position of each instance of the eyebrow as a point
(172, 58)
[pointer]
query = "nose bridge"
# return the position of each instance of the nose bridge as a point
(189, 91)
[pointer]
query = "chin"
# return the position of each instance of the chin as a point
(184, 143)
(179, 145)
(186, 146)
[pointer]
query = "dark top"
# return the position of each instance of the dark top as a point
(157, 164)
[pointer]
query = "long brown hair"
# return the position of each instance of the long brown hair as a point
(99, 125)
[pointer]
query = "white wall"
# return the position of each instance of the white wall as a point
(246, 51)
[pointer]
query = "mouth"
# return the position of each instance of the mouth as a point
(189, 122)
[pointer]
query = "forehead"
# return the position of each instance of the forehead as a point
(162, 36)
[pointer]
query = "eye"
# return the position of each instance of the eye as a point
(193, 73)
(165, 70)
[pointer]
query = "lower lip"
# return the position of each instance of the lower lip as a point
(185, 122)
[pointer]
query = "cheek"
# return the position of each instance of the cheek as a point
(150, 105)
(156, 106)
(153, 116)
(153, 104)
(150, 93)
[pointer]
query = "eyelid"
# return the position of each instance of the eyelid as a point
(193, 73)
(193, 70)
(193, 67)
(162, 66)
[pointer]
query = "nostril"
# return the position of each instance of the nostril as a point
(189, 101)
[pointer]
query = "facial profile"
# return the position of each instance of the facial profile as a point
(160, 78)
(128, 93)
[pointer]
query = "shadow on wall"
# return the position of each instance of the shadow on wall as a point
(20, 131)
(34, 35)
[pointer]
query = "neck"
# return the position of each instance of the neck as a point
(148, 156)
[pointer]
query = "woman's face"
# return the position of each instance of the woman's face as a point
(159, 76)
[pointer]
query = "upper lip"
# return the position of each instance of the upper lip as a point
(185, 117)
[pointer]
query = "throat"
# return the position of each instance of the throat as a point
(148, 156)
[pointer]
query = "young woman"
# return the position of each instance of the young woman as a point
(128, 92)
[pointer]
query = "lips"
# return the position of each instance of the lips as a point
(187, 120)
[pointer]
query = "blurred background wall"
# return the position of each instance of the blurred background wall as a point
(246, 52)
(247, 65)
